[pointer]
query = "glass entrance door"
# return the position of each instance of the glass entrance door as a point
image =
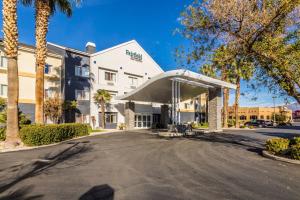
(142, 120)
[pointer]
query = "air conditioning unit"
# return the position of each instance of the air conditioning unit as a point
(110, 83)
(133, 87)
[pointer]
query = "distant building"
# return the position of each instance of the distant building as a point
(259, 113)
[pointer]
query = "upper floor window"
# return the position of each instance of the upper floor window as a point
(187, 106)
(49, 93)
(3, 62)
(110, 76)
(3, 90)
(82, 71)
(82, 94)
(48, 69)
(133, 81)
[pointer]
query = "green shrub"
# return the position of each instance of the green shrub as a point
(199, 125)
(295, 152)
(2, 134)
(295, 141)
(277, 145)
(35, 135)
(90, 129)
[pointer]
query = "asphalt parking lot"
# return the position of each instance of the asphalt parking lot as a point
(138, 165)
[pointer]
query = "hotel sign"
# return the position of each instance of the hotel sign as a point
(135, 56)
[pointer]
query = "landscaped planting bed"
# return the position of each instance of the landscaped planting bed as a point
(288, 148)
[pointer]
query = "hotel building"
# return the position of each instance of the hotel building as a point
(142, 93)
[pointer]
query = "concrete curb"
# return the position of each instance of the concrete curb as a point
(27, 148)
(271, 156)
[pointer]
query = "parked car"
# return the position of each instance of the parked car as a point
(269, 123)
(257, 123)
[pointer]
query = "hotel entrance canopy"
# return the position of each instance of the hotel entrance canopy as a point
(175, 86)
(159, 88)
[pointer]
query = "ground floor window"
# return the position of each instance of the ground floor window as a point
(253, 117)
(84, 119)
(143, 120)
(111, 118)
(243, 117)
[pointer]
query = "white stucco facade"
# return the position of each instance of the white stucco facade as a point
(120, 70)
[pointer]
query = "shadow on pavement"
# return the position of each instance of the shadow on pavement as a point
(38, 166)
(251, 144)
(21, 194)
(99, 192)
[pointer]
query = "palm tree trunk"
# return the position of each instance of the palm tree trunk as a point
(10, 30)
(225, 99)
(103, 114)
(237, 99)
(42, 14)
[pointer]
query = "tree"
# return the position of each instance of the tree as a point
(266, 32)
(69, 106)
(101, 97)
(43, 10)
(10, 30)
(53, 109)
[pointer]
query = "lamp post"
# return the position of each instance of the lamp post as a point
(274, 118)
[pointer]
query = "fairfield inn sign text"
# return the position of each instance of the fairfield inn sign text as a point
(134, 56)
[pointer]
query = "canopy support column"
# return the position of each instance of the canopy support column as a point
(214, 110)
(129, 115)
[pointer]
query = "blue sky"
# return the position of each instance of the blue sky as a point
(111, 22)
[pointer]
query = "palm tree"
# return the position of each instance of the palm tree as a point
(43, 10)
(10, 30)
(101, 97)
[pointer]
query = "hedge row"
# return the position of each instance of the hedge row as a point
(284, 147)
(35, 135)
(2, 134)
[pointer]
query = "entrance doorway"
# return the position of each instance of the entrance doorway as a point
(111, 120)
(142, 120)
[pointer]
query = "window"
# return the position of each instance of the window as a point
(262, 117)
(253, 117)
(187, 106)
(243, 117)
(111, 118)
(3, 90)
(82, 94)
(84, 119)
(268, 117)
(133, 81)
(82, 71)
(48, 69)
(3, 62)
(49, 93)
(110, 76)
